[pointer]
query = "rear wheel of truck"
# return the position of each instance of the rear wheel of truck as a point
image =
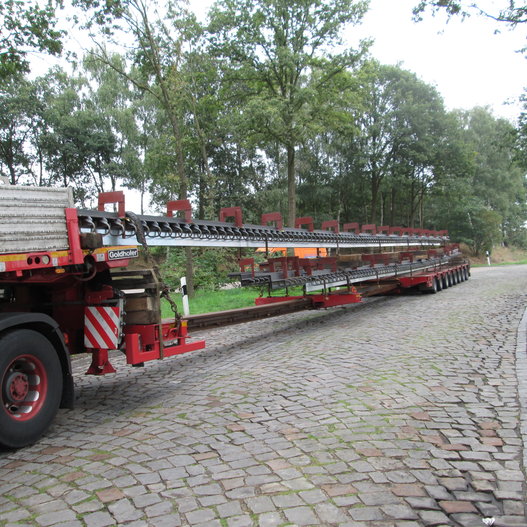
(31, 386)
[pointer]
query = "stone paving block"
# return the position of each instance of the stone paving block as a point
(261, 504)
(301, 516)
(207, 501)
(231, 508)
(366, 514)
(15, 515)
(123, 511)
(98, 519)
(200, 516)
(240, 521)
(422, 503)
(408, 489)
(433, 517)
(159, 509)
(378, 498)
(171, 520)
(399, 511)
(283, 501)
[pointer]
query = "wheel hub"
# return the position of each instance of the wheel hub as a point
(17, 387)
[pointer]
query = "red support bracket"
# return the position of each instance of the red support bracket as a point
(396, 230)
(353, 227)
(112, 197)
(180, 205)
(244, 262)
(306, 220)
(283, 264)
(275, 217)
(370, 228)
(232, 212)
(72, 224)
(407, 232)
(385, 229)
(442, 233)
(330, 225)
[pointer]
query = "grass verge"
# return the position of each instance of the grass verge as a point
(211, 301)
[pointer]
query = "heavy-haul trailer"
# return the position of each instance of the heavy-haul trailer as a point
(66, 286)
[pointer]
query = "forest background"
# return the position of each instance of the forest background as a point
(262, 106)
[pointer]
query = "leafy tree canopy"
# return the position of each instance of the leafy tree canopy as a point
(511, 11)
(27, 26)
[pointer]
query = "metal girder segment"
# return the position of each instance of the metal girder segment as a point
(113, 240)
(236, 316)
(167, 231)
(378, 288)
(335, 299)
(315, 283)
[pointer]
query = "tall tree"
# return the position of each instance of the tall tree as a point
(280, 58)
(20, 116)
(158, 54)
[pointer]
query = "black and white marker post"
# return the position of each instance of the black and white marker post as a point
(184, 295)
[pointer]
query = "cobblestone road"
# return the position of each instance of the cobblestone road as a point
(401, 412)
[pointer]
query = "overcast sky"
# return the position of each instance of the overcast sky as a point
(469, 63)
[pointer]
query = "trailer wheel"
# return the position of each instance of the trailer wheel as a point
(439, 283)
(432, 290)
(444, 281)
(31, 386)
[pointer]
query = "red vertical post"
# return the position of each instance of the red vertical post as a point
(112, 197)
(232, 212)
(180, 205)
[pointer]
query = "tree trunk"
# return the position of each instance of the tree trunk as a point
(375, 184)
(208, 194)
(291, 186)
(183, 193)
(392, 206)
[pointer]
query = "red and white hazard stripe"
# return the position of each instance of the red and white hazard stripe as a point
(101, 327)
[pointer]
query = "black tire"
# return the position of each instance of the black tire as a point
(444, 281)
(431, 290)
(439, 283)
(31, 386)
(461, 275)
